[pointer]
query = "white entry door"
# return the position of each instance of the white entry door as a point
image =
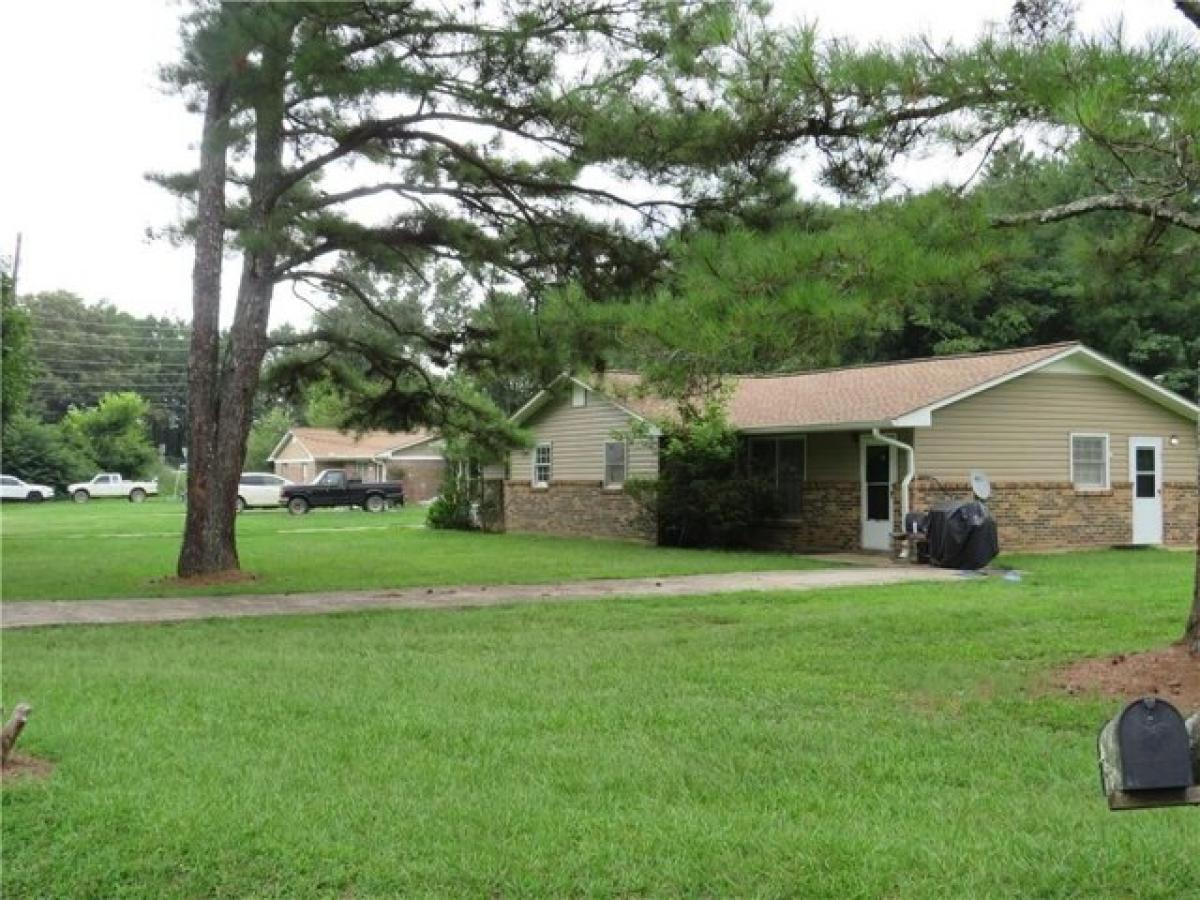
(1145, 472)
(878, 474)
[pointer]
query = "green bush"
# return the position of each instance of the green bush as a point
(447, 512)
(460, 493)
(44, 454)
(702, 497)
(114, 432)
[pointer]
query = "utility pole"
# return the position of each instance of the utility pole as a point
(16, 265)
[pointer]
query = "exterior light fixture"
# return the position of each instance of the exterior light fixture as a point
(1173, 440)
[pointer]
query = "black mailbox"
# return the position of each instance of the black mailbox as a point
(1146, 747)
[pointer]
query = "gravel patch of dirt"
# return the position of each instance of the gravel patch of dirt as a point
(233, 576)
(20, 767)
(1170, 673)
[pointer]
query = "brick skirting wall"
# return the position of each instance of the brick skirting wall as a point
(831, 521)
(1179, 514)
(575, 508)
(1040, 515)
(1034, 515)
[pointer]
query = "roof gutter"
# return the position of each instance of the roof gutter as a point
(754, 430)
(908, 476)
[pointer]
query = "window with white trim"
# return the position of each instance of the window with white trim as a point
(541, 465)
(578, 395)
(1089, 461)
(779, 463)
(615, 457)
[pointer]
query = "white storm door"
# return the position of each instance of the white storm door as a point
(1145, 473)
(878, 474)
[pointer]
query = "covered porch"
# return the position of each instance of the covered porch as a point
(836, 491)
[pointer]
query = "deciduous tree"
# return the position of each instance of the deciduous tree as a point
(114, 433)
(18, 363)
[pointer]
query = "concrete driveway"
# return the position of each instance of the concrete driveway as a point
(178, 609)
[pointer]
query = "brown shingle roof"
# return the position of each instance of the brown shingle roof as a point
(874, 393)
(329, 443)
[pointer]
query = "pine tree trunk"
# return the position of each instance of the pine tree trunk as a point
(202, 552)
(222, 386)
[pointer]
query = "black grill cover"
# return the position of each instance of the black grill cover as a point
(962, 535)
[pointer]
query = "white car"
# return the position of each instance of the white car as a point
(259, 489)
(110, 484)
(12, 488)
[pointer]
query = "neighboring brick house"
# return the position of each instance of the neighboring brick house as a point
(414, 457)
(1081, 451)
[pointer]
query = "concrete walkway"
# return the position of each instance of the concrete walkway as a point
(177, 609)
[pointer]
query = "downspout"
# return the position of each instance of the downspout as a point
(909, 475)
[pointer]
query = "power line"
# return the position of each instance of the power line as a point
(161, 393)
(148, 347)
(42, 319)
(91, 359)
(113, 373)
(112, 384)
(68, 363)
(52, 317)
(173, 390)
(73, 328)
(83, 400)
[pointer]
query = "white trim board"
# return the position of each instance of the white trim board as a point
(288, 438)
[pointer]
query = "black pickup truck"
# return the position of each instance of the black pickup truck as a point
(334, 488)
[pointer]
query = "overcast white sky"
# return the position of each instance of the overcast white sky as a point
(84, 119)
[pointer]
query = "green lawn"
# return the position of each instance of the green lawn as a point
(62, 551)
(861, 742)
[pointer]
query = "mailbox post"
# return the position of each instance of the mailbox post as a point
(1150, 757)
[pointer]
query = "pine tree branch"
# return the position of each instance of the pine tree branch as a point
(1190, 9)
(346, 284)
(1104, 203)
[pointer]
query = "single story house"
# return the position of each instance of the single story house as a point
(412, 457)
(1080, 450)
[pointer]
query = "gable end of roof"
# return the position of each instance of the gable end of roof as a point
(923, 416)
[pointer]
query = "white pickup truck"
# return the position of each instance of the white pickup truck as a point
(110, 484)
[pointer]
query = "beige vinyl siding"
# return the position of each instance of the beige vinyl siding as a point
(293, 450)
(1020, 431)
(429, 448)
(832, 456)
(577, 435)
(835, 455)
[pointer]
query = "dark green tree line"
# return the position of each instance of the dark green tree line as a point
(18, 364)
(86, 350)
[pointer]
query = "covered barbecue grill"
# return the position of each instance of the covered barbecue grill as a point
(961, 535)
